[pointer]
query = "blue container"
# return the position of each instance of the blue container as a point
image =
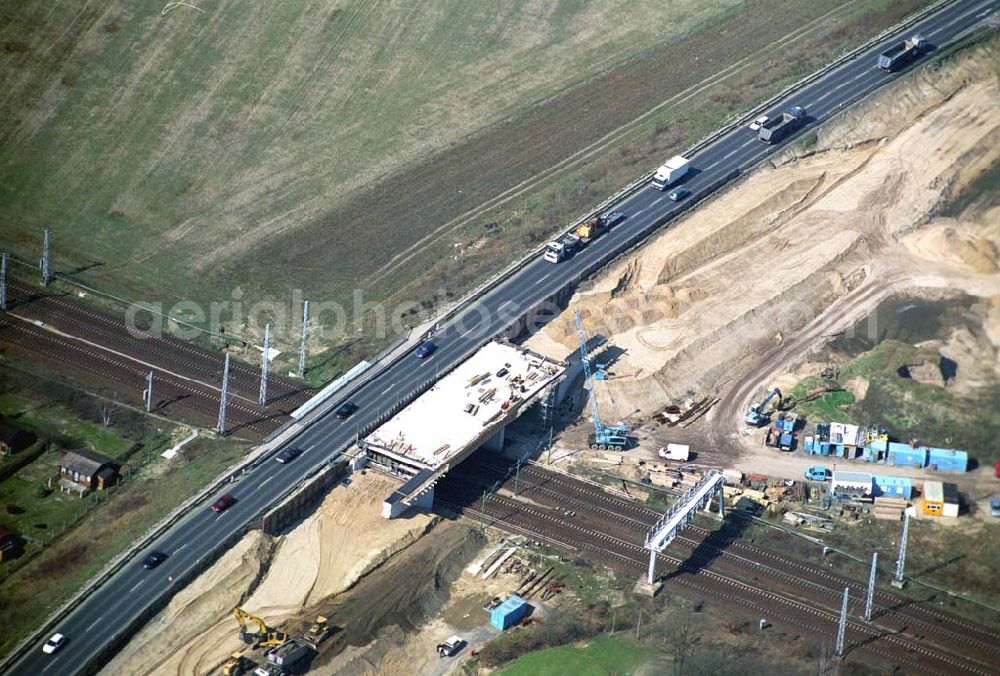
(809, 444)
(509, 613)
(947, 460)
(904, 455)
(824, 448)
(892, 486)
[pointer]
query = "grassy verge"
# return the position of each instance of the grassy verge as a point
(614, 654)
(60, 569)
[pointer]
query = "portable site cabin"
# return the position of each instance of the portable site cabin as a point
(933, 504)
(509, 613)
(892, 486)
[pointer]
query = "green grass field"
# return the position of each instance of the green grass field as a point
(162, 147)
(601, 656)
(181, 156)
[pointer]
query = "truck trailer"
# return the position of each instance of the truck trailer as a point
(782, 127)
(901, 53)
(562, 249)
(670, 172)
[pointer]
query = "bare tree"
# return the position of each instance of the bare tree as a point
(108, 411)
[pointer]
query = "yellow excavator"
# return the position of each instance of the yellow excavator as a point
(254, 631)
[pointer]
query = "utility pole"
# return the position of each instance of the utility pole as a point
(843, 625)
(302, 347)
(517, 475)
(482, 510)
(221, 426)
(148, 392)
(46, 273)
(898, 580)
(871, 589)
(264, 364)
(3, 281)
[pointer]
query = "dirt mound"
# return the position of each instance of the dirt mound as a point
(771, 254)
(341, 542)
(160, 646)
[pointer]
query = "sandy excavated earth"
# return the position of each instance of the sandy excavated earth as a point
(832, 230)
(274, 578)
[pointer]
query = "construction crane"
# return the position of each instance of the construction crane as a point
(254, 631)
(605, 437)
(758, 415)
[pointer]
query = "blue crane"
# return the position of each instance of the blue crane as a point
(758, 415)
(605, 437)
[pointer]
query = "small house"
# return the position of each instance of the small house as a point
(509, 613)
(83, 471)
(13, 439)
(892, 486)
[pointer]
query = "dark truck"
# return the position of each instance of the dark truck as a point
(780, 128)
(901, 53)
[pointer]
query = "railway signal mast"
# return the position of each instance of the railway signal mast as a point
(842, 627)
(3, 281)
(224, 396)
(302, 347)
(614, 437)
(265, 365)
(46, 273)
(901, 561)
(871, 589)
(147, 394)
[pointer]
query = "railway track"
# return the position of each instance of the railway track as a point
(961, 638)
(164, 351)
(515, 515)
(169, 390)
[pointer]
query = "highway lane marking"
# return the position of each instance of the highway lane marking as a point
(265, 481)
(658, 200)
(710, 166)
(137, 585)
(504, 305)
(97, 621)
(543, 278)
(386, 390)
(638, 212)
(49, 665)
(181, 547)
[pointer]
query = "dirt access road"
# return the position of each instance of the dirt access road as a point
(747, 286)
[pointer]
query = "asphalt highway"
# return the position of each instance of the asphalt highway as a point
(114, 606)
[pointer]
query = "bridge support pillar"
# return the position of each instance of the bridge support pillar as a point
(495, 443)
(651, 573)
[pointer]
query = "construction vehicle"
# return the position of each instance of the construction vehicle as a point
(901, 53)
(254, 631)
(563, 248)
(237, 665)
(670, 172)
(605, 437)
(317, 633)
(782, 127)
(759, 414)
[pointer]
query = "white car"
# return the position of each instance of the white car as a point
(759, 122)
(53, 644)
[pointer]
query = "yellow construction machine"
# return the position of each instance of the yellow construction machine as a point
(254, 631)
(319, 630)
(237, 665)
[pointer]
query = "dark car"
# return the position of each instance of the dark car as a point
(614, 218)
(346, 410)
(679, 193)
(223, 503)
(287, 455)
(153, 559)
(426, 349)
